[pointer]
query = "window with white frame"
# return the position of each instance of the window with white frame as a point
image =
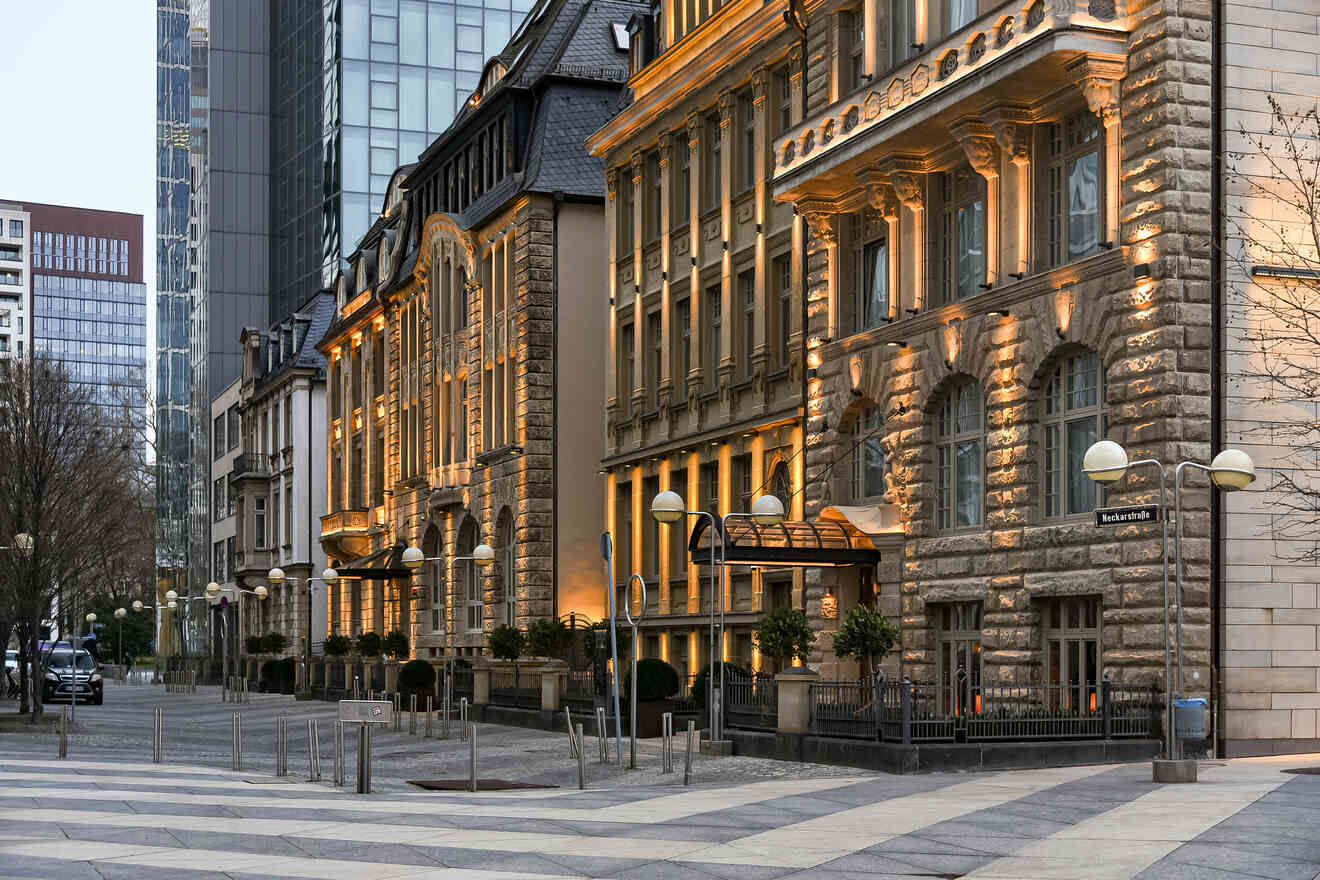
(960, 442)
(868, 470)
(1076, 190)
(1072, 418)
(853, 30)
(960, 233)
(258, 522)
(870, 281)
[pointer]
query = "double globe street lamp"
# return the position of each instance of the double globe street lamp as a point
(329, 577)
(668, 507)
(1232, 469)
(214, 592)
(413, 558)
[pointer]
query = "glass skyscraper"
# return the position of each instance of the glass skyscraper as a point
(297, 112)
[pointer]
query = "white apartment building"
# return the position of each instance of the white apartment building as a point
(15, 281)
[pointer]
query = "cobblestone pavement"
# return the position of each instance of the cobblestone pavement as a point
(108, 813)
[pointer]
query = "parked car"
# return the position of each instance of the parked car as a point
(63, 681)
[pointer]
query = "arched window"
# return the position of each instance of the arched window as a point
(781, 486)
(1072, 418)
(507, 574)
(868, 456)
(960, 483)
(467, 584)
(433, 578)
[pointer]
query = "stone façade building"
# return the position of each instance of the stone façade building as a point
(465, 356)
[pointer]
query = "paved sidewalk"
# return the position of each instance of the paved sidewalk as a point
(104, 813)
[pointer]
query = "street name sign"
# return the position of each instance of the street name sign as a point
(1138, 514)
(366, 711)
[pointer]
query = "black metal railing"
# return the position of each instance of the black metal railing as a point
(579, 690)
(909, 712)
(751, 702)
(463, 682)
(518, 689)
(336, 675)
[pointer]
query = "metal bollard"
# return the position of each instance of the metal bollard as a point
(463, 719)
(158, 736)
(313, 751)
(236, 723)
(364, 759)
(281, 743)
(582, 759)
(356, 681)
(430, 717)
(444, 718)
(574, 745)
(602, 740)
(398, 714)
(247, 696)
(64, 731)
(412, 714)
(687, 755)
(667, 742)
(472, 754)
(339, 753)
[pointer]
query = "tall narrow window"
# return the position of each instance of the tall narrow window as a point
(870, 279)
(1072, 419)
(680, 330)
(625, 212)
(683, 186)
(747, 160)
(259, 522)
(961, 233)
(868, 471)
(655, 197)
(713, 346)
(958, 628)
(650, 533)
(1072, 653)
(782, 273)
(655, 359)
(1075, 187)
(783, 100)
(288, 515)
(378, 468)
(713, 172)
(627, 359)
(747, 301)
(960, 489)
(678, 533)
(854, 28)
(781, 485)
(461, 438)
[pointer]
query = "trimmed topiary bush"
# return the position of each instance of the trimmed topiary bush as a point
(337, 645)
(656, 680)
(506, 642)
(417, 677)
(274, 643)
(785, 633)
(867, 635)
(395, 644)
(369, 644)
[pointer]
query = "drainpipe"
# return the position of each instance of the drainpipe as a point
(557, 197)
(1217, 319)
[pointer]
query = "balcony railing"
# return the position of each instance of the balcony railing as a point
(351, 520)
(255, 464)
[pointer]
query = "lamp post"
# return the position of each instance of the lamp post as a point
(413, 558)
(120, 614)
(668, 507)
(329, 577)
(1107, 462)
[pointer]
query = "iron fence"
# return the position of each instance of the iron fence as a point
(463, 681)
(377, 671)
(579, 690)
(910, 712)
(521, 690)
(751, 702)
(336, 675)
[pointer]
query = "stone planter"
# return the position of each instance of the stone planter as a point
(650, 717)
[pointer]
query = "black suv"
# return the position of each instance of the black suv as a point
(63, 682)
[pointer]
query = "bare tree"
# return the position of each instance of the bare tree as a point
(68, 477)
(1273, 257)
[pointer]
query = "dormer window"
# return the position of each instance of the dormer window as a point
(620, 32)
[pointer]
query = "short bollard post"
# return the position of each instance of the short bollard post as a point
(281, 760)
(158, 736)
(602, 740)
(430, 717)
(398, 715)
(357, 681)
(667, 742)
(581, 758)
(339, 753)
(364, 759)
(687, 755)
(463, 719)
(472, 754)
(236, 725)
(412, 714)
(64, 731)
(574, 745)
(444, 718)
(313, 752)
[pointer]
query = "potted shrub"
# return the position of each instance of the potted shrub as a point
(369, 644)
(417, 677)
(506, 643)
(274, 643)
(867, 635)
(657, 683)
(337, 645)
(785, 633)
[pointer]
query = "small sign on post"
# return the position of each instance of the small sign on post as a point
(366, 711)
(1138, 514)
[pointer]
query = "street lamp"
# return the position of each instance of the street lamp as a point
(23, 544)
(413, 558)
(1107, 462)
(120, 614)
(668, 507)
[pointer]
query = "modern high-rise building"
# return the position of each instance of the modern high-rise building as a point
(89, 302)
(279, 127)
(15, 282)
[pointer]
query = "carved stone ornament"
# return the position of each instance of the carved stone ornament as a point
(1014, 138)
(760, 81)
(920, 79)
(977, 49)
(1006, 32)
(851, 118)
(666, 148)
(907, 186)
(611, 183)
(894, 94)
(1102, 97)
(981, 154)
(638, 166)
(871, 107)
(694, 131)
(821, 225)
(726, 107)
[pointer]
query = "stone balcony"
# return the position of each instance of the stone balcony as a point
(1016, 56)
(346, 534)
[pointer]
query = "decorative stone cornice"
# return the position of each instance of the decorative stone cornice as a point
(760, 84)
(907, 176)
(726, 108)
(666, 148)
(819, 215)
(978, 143)
(638, 166)
(694, 130)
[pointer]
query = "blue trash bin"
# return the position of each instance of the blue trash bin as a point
(1189, 718)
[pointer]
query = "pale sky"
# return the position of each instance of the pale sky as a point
(80, 111)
